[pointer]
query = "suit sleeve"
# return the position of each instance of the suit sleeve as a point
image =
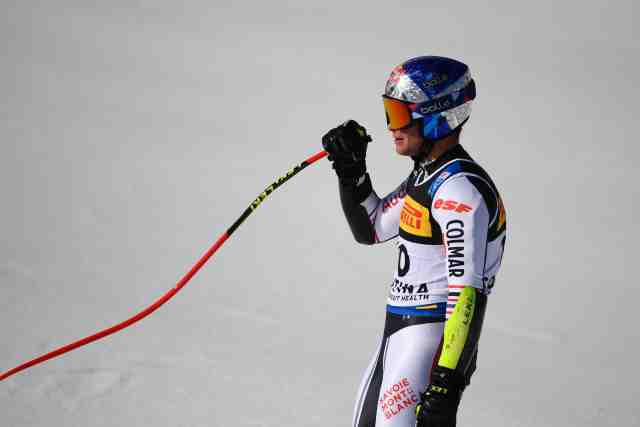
(372, 219)
(463, 215)
(461, 210)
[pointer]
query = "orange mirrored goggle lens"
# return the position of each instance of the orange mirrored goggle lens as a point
(397, 112)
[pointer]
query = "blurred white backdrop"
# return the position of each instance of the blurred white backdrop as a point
(134, 133)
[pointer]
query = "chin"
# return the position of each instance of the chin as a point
(402, 150)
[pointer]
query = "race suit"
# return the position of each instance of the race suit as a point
(450, 225)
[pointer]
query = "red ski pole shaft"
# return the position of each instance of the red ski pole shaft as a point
(181, 283)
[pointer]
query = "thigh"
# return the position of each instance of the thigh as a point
(364, 414)
(397, 374)
(407, 363)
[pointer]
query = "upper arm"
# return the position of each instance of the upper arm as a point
(461, 209)
(384, 214)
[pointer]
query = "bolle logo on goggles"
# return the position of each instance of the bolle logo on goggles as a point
(435, 106)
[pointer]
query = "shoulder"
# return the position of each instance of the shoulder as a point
(453, 171)
(461, 184)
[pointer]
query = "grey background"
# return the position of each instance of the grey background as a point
(133, 133)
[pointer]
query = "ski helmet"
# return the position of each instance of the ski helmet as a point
(435, 90)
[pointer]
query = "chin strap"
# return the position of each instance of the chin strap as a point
(422, 159)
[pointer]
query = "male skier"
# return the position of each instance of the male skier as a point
(451, 228)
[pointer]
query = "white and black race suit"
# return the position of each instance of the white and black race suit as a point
(450, 225)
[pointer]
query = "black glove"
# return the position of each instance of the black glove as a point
(439, 403)
(347, 148)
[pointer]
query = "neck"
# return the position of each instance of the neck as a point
(437, 149)
(442, 146)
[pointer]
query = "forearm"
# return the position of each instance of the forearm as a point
(452, 373)
(351, 198)
(462, 331)
(464, 216)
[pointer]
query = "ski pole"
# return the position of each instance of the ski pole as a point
(181, 283)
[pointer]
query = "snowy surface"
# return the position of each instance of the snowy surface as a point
(133, 133)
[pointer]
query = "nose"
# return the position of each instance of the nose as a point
(398, 133)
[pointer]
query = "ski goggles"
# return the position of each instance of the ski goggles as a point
(400, 114)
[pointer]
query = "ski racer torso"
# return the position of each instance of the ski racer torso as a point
(451, 229)
(450, 225)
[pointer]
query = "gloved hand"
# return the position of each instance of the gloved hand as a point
(347, 148)
(439, 403)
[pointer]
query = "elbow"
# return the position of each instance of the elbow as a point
(365, 240)
(364, 234)
(361, 228)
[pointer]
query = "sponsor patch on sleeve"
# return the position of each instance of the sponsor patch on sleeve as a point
(449, 171)
(452, 205)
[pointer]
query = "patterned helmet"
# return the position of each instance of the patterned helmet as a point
(436, 90)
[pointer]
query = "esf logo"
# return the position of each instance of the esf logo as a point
(451, 205)
(455, 247)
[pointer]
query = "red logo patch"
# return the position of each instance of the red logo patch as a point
(451, 205)
(394, 200)
(397, 398)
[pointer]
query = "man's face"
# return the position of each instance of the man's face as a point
(408, 141)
